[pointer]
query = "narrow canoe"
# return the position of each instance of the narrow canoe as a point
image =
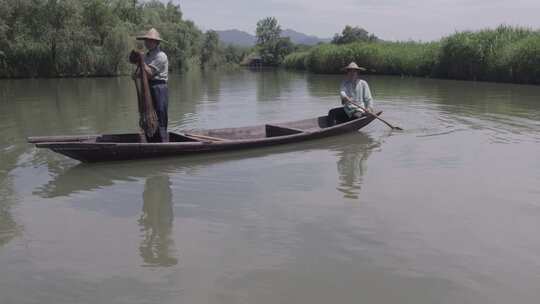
(113, 147)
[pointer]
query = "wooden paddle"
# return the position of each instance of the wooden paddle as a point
(366, 111)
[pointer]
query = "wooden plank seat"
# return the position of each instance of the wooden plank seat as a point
(204, 137)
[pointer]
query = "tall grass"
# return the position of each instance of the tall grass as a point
(296, 60)
(394, 58)
(506, 54)
(483, 55)
(523, 58)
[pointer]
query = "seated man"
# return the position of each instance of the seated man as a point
(355, 93)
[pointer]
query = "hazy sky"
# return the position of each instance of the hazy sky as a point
(388, 19)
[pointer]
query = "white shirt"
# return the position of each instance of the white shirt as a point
(358, 91)
(158, 61)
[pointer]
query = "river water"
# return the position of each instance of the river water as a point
(447, 211)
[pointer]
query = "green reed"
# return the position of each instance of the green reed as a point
(505, 54)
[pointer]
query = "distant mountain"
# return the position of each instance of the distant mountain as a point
(237, 37)
(301, 38)
(242, 38)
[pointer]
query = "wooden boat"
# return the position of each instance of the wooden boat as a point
(111, 147)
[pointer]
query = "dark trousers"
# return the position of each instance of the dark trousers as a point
(160, 100)
(338, 116)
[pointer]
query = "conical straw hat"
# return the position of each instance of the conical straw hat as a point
(152, 34)
(353, 66)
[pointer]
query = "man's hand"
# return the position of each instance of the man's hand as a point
(345, 100)
(135, 56)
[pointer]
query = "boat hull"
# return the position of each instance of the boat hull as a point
(116, 147)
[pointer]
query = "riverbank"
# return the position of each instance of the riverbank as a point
(504, 54)
(50, 39)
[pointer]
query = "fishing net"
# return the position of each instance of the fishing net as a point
(148, 120)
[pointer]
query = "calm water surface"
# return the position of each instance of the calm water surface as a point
(447, 211)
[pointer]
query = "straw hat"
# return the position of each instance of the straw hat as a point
(353, 66)
(152, 34)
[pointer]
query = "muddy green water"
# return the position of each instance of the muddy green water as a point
(447, 211)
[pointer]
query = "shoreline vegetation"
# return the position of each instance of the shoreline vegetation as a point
(505, 54)
(92, 38)
(83, 38)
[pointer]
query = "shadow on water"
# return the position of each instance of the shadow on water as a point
(156, 222)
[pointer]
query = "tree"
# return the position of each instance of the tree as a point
(114, 50)
(88, 37)
(271, 46)
(66, 36)
(5, 13)
(210, 49)
(182, 36)
(128, 11)
(234, 54)
(268, 30)
(354, 34)
(98, 16)
(282, 48)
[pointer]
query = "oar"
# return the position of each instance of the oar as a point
(366, 111)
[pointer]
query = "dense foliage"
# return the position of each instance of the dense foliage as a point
(50, 38)
(506, 54)
(56, 38)
(271, 47)
(210, 49)
(214, 54)
(353, 34)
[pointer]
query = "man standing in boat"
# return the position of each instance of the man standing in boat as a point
(156, 66)
(354, 92)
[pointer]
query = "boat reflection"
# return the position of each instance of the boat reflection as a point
(156, 223)
(9, 228)
(352, 163)
(90, 177)
(351, 151)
